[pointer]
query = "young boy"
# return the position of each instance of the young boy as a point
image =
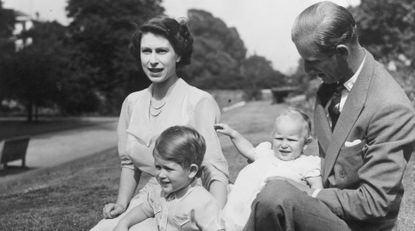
(283, 157)
(179, 202)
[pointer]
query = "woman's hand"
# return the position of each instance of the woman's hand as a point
(112, 210)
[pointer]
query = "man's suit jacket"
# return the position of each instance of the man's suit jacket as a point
(364, 158)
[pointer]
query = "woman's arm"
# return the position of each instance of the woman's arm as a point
(129, 180)
(128, 183)
(206, 114)
(130, 176)
(241, 143)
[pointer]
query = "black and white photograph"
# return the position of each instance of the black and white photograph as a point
(207, 115)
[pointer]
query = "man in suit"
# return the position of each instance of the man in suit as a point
(364, 149)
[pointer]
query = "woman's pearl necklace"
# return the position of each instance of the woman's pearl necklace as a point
(156, 108)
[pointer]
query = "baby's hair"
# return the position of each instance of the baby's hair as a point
(295, 112)
(182, 145)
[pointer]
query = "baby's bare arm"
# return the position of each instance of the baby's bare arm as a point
(241, 143)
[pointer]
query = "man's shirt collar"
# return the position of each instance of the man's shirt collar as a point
(349, 83)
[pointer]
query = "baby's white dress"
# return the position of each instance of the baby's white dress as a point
(251, 179)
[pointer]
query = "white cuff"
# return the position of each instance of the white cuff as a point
(314, 194)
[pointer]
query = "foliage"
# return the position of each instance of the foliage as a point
(387, 29)
(100, 33)
(300, 78)
(406, 78)
(217, 52)
(259, 74)
(7, 19)
(219, 58)
(32, 75)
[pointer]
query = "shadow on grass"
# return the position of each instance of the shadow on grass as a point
(14, 170)
(13, 128)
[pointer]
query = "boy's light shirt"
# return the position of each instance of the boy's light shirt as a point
(196, 208)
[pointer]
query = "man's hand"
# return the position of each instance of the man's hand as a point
(112, 210)
(299, 186)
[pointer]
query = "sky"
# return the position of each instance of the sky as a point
(263, 25)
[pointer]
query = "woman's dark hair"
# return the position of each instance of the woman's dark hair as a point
(327, 25)
(182, 145)
(175, 31)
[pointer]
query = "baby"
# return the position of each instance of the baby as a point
(282, 157)
(179, 202)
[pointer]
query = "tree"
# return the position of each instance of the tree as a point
(259, 73)
(218, 53)
(100, 34)
(32, 75)
(219, 58)
(387, 29)
(306, 85)
(7, 21)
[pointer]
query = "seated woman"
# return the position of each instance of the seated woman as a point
(160, 45)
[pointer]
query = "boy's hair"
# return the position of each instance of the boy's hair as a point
(182, 145)
(297, 113)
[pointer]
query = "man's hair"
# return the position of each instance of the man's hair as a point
(327, 25)
(297, 114)
(182, 145)
(175, 31)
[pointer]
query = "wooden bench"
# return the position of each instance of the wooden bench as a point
(280, 93)
(14, 149)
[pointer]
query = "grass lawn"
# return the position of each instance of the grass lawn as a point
(71, 196)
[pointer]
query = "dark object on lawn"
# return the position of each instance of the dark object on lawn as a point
(280, 93)
(14, 149)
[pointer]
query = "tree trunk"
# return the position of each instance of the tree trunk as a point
(36, 112)
(29, 109)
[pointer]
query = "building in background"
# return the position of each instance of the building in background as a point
(23, 23)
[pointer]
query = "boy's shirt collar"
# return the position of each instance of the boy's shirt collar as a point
(182, 192)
